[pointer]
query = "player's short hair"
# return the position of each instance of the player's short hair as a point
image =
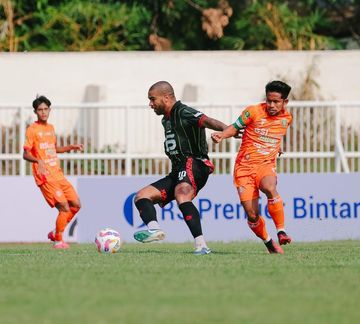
(164, 87)
(278, 86)
(39, 100)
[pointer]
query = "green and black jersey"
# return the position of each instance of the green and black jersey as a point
(184, 135)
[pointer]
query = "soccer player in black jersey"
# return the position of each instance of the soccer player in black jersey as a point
(185, 145)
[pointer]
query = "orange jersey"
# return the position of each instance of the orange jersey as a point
(41, 143)
(262, 136)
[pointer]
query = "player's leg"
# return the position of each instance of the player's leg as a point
(255, 222)
(144, 202)
(72, 198)
(61, 222)
(145, 199)
(55, 198)
(249, 197)
(275, 205)
(184, 194)
(190, 179)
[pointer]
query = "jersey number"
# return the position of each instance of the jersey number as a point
(182, 175)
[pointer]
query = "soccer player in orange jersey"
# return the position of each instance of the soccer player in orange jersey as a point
(255, 167)
(41, 150)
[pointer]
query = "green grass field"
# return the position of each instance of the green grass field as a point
(165, 283)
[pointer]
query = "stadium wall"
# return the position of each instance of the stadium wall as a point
(317, 206)
(204, 77)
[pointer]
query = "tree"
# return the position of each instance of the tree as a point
(88, 25)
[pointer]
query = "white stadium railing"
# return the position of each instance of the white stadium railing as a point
(128, 140)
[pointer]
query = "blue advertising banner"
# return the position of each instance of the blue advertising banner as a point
(317, 207)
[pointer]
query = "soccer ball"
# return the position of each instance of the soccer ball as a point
(108, 241)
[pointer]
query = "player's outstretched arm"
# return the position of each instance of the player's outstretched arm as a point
(229, 131)
(68, 148)
(213, 123)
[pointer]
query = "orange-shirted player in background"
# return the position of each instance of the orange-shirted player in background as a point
(41, 150)
(255, 167)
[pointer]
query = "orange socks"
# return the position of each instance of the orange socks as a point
(259, 229)
(276, 211)
(61, 223)
(62, 220)
(73, 211)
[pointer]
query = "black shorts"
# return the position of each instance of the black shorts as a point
(192, 171)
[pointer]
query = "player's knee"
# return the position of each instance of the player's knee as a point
(151, 193)
(76, 208)
(143, 194)
(252, 216)
(184, 190)
(139, 195)
(62, 206)
(75, 205)
(269, 190)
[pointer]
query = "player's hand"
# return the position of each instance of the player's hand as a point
(78, 147)
(41, 168)
(217, 137)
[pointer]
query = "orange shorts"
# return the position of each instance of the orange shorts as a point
(248, 183)
(58, 192)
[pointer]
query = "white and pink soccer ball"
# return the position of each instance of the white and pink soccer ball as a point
(108, 241)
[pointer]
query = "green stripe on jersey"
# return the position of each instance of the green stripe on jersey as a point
(239, 124)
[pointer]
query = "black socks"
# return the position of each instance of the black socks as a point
(191, 217)
(146, 209)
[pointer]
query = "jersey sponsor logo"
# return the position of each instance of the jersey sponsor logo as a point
(41, 134)
(46, 145)
(262, 149)
(170, 144)
(284, 122)
(51, 161)
(267, 139)
(261, 131)
(50, 152)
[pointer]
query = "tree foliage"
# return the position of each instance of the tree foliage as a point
(95, 25)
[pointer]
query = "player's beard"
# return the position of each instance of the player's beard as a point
(159, 110)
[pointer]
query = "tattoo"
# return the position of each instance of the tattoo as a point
(214, 124)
